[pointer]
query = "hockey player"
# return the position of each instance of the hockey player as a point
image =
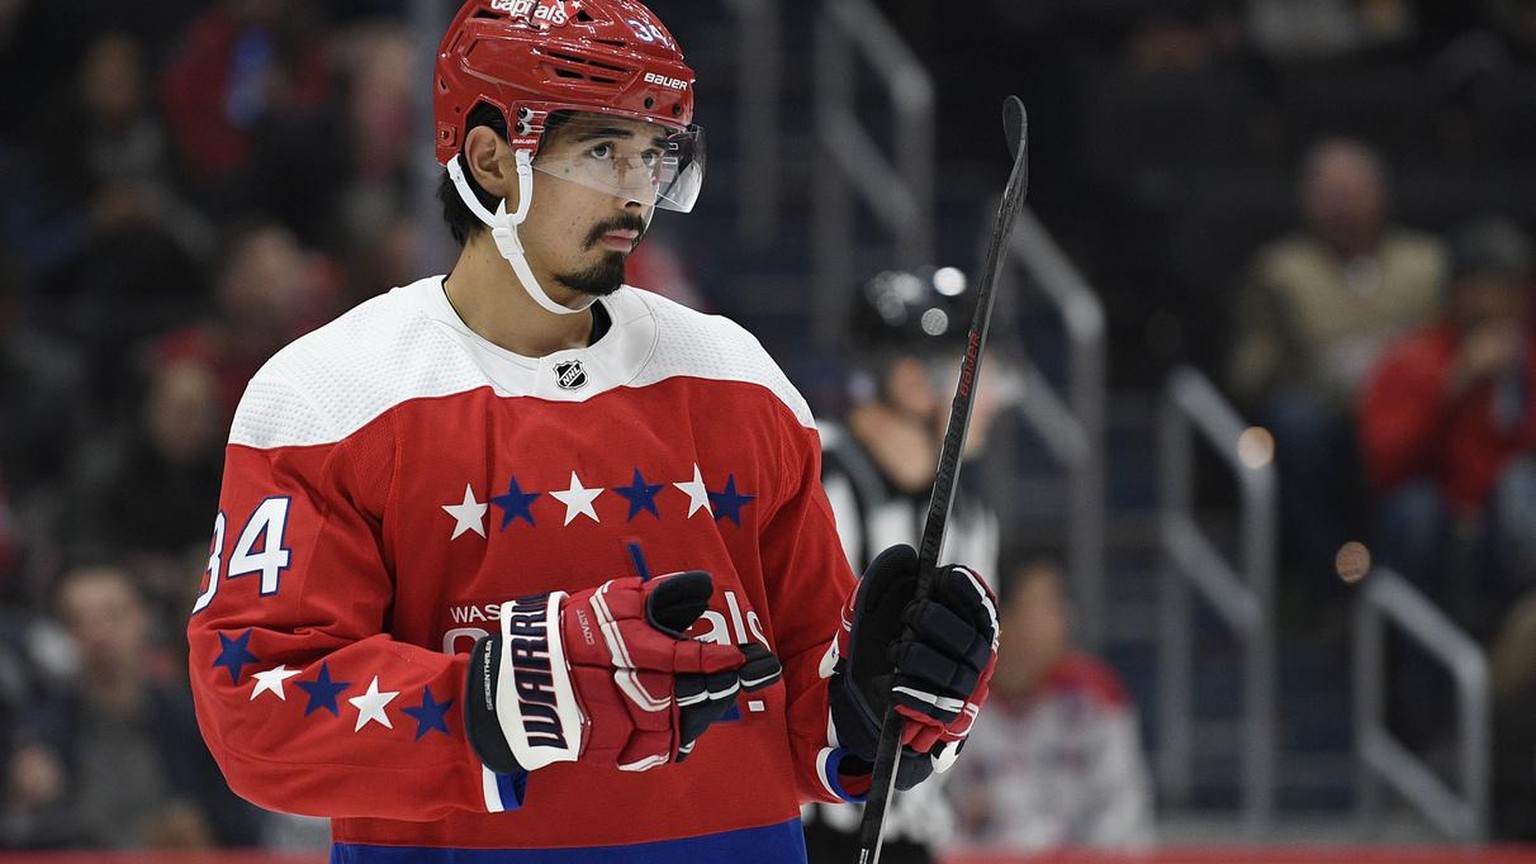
(522, 564)
(905, 336)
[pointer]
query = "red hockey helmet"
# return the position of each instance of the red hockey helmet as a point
(529, 58)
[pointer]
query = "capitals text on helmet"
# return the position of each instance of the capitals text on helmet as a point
(538, 12)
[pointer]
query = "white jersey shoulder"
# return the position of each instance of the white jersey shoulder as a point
(331, 382)
(693, 343)
(410, 344)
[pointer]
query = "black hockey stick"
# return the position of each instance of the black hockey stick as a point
(883, 783)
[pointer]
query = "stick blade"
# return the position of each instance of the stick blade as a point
(1015, 125)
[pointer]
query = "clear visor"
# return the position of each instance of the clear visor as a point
(629, 159)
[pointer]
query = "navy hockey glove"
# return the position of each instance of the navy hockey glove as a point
(605, 676)
(934, 654)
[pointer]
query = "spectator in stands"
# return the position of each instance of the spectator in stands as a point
(121, 250)
(37, 662)
(145, 499)
(1319, 306)
(40, 42)
(107, 132)
(41, 420)
(1513, 670)
(384, 258)
(116, 762)
(100, 131)
(131, 279)
(241, 63)
(1448, 431)
(270, 290)
(337, 173)
(1060, 764)
(1322, 29)
(1515, 20)
(380, 88)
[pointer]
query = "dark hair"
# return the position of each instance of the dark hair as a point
(1016, 559)
(462, 223)
(111, 565)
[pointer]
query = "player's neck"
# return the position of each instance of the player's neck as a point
(489, 299)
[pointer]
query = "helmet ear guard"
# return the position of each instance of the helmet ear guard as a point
(503, 227)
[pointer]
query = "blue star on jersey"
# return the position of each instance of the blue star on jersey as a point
(516, 504)
(640, 495)
(323, 691)
(727, 503)
(235, 655)
(429, 715)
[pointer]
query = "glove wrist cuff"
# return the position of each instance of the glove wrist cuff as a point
(536, 704)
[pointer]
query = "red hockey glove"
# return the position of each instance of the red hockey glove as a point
(935, 655)
(605, 676)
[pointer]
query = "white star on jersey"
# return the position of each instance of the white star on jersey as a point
(370, 706)
(271, 681)
(698, 496)
(469, 515)
(578, 500)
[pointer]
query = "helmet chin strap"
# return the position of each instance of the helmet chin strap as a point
(503, 227)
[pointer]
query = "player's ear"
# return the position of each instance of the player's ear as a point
(489, 158)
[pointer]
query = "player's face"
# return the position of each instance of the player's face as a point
(594, 196)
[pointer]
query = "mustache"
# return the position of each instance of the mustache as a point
(627, 222)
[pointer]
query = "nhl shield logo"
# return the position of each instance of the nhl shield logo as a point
(570, 375)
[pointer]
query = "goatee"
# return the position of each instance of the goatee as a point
(599, 280)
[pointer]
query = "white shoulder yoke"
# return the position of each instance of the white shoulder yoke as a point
(713, 347)
(410, 344)
(331, 382)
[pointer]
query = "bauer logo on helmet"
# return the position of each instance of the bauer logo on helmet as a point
(665, 81)
(540, 13)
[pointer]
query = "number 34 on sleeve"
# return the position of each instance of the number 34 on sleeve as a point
(265, 528)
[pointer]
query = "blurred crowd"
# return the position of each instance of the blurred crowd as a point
(1326, 204)
(1327, 207)
(184, 188)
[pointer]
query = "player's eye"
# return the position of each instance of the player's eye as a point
(651, 158)
(602, 151)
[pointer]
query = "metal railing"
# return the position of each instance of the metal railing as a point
(1241, 594)
(1071, 428)
(1386, 596)
(851, 167)
(759, 80)
(435, 249)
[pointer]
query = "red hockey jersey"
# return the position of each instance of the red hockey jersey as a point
(392, 478)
